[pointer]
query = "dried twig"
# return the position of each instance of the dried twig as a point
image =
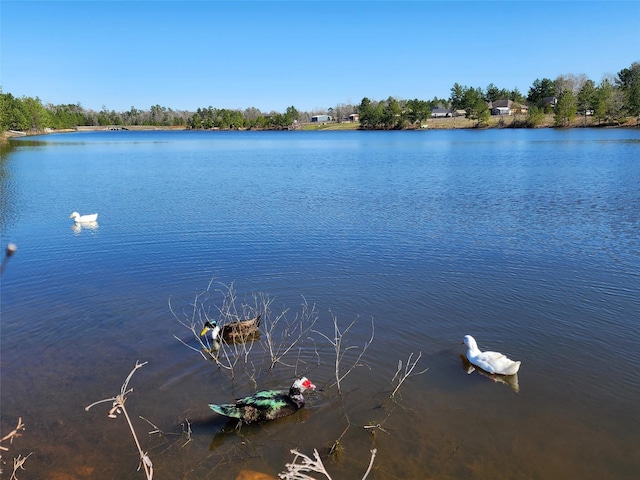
(373, 456)
(340, 350)
(194, 322)
(282, 335)
(377, 425)
(118, 407)
(13, 434)
(300, 471)
(155, 430)
(408, 372)
(227, 356)
(401, 378)
(18, 461)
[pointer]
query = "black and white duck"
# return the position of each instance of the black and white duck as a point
(267, 404)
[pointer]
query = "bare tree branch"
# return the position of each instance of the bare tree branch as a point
(118, 407)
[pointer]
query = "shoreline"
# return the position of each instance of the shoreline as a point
(451, 123)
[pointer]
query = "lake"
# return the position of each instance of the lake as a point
(405, 241)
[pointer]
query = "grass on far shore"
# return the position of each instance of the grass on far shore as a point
(495, 121)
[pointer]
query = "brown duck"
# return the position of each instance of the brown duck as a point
(232, 332)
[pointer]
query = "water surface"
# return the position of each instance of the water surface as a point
(527, 239)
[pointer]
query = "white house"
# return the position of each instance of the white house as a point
(440, 112)
(500, 111)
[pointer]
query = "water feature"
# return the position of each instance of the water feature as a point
(527, 239)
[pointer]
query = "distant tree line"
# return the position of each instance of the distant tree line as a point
(615, 99)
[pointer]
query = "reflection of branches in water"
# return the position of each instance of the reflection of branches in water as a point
(186, 432)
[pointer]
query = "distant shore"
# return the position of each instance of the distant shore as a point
(451, 123)
(32, 133)
(495, 121)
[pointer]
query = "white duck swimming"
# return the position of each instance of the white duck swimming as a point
(491, 362)
(510, 380)
(84, 218)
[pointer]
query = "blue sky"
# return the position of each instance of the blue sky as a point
(309, 54)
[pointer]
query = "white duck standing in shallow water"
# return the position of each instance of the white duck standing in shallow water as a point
(491, 362)
(84, 218)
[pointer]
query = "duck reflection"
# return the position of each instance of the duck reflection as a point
(77, 227)
(510, 380)
(234, 427)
